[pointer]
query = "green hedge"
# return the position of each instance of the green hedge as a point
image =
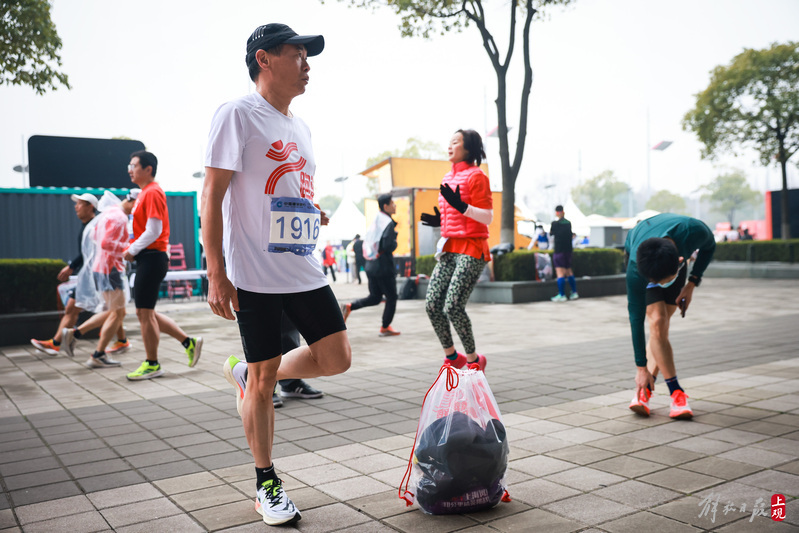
(425, 264)
(29, 285)
(520, 265)
(758, 251)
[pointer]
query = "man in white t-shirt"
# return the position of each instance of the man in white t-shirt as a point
(257, 200)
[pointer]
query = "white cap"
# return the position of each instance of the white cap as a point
(86, 197)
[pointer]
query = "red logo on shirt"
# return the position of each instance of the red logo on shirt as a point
(280, 153)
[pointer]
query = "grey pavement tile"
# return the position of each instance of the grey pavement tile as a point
(228, 515)
(703, 445)
(168, 470)
(7, 519)
(721, 468)
(155, 458)
(420, 522)
(541, 444)
(98, 467)
(177, 430)
(627, 466)
(736, 436)
(589, 509)
(22, 444)
(647, 522)
(637, 494)
(719, 419)
(539, 465)
(44, 493)
(778, 444)
(87, 456)
(777, 482)
(32, 465)
(71, 436)
(207, 497)
(374, 463)
(580, 454)
(791, 468)
(224, 460)
(207, 448)
(307, 498)
(144, 511)
(191, 482)
(343, 453)
(79, 523)
(193, 439)
(681, 480)
(757, 456)
(621, 444)
(53, 509)
(133, 438)
(537, 492)
(614, 427)
(317, 475)
(667, 455)
(110, 481)
(585, 478)
(538, 521)
(24, 455)
(150, 446)
(120, 496)
(328, 441)
(172, 524)
(35, 479)
(357, 487)
(379, 506)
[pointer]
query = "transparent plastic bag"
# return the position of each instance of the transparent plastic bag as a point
(460, 454)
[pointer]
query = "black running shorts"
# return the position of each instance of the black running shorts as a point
(108, 282)
(316, 314)
(669, 294)
(151, 268)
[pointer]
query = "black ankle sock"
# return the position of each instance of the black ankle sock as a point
(186, 342)
(56, 343)
(77, 333)
(673, 385)
(453, 356)
(97, 354)
(264, 474)
(152, 363)
(123, 341)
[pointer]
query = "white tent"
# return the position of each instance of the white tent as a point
(643, 215)
(344, 224)
(580, 223)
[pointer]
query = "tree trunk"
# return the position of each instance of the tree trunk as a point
(786, 220)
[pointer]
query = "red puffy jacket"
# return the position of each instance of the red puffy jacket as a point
(453, 223)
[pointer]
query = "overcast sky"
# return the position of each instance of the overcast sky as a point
(157, 70)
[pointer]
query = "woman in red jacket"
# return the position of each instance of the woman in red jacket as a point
(466, 210)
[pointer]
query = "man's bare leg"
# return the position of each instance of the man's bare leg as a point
(69, 319)
(170, 327)
(150, 332)
(662, 356)
(257, 411)
(326, 357)
(115, 303)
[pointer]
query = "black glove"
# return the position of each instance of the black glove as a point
(434, 221)
(453, 198)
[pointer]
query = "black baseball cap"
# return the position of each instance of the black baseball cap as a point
(270, 35)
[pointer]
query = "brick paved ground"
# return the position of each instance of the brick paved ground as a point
(86, 450)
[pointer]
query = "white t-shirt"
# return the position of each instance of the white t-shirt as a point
(270, 155)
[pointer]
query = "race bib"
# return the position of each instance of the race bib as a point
(293, 226)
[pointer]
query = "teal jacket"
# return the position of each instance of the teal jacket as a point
(689, 234)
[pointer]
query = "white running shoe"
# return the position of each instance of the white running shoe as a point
(68, 341)
(274, 505)
(235, 372)
(102, 361)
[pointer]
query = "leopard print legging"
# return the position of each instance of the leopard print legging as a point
(449, 289)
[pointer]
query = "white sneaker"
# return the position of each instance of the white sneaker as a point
(68, 341)
(274, 505)
(235, 372)
(101, 362)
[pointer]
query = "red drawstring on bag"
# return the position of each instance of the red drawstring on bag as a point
(452, 383)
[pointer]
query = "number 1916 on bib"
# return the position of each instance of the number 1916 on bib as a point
(294, 226)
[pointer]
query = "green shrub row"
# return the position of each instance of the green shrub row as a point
(758, 251)
(520, 265)
(29, 285)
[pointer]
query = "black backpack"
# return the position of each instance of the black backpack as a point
(409, 289)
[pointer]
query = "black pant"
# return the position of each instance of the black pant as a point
(380, 286)
(332, 271)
